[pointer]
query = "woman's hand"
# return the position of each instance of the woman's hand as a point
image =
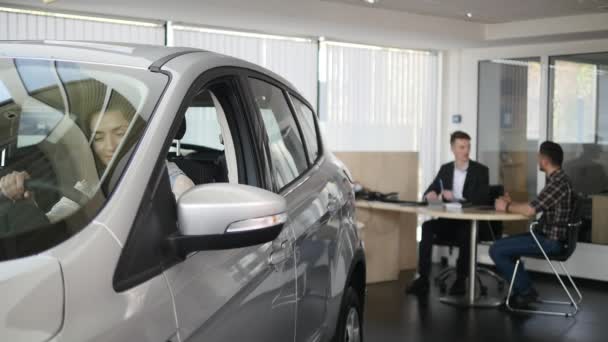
(12, 186)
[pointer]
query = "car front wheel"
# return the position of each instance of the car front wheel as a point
(349, 324)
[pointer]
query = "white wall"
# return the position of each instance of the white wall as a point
(548, 27)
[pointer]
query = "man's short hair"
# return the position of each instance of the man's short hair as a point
(552, 151)
(459, 135)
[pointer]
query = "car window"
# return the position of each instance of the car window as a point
(306, 119)
(4, 94)
(39, 78)
(205, 128)
(286, 149)
(66, 132)
(206, 151)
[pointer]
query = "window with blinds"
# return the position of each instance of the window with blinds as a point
(376, 98)
(21, 24)
(295, 59)
(380, 99)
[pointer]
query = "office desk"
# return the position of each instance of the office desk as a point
(472, 214)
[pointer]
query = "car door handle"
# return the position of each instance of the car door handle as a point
(280, 254)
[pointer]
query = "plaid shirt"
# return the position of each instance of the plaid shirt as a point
(555, 202)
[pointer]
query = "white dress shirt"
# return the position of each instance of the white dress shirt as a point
(460, 176)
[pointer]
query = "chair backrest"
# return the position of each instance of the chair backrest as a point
(491, 231)
(438, 240)
(574, 225)
(495, 192)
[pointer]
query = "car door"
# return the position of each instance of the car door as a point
(316, 241)
(243, 294)
(296, 175)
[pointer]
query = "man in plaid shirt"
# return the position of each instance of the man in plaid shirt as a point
(555, 202)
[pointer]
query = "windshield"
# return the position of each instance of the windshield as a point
(66, 133)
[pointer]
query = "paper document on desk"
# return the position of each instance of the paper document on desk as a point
(453, 206)
(435, 202)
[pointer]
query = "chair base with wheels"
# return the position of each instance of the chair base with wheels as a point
(561, 258)
(443, 276)
(486, 236)
(485, 239)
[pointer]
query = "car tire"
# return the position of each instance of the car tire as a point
(350, 327)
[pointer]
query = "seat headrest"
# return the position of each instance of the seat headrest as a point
(181, 131)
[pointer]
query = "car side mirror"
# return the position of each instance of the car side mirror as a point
(225, 216)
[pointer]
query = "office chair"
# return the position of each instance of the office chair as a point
(447, 272)
(568, 250)
(485, 236)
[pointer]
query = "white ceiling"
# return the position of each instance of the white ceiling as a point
(414, 24)
(489, 11)
(307, 18)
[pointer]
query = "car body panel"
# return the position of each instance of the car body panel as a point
(237, 286)
(315, 231)
(31, 293)
(129, 55)
(325, 251)
(93, 310)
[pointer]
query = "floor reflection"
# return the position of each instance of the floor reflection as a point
(393, 316)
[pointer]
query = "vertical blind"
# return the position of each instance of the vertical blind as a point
(380, 99)
(23, 24)
(295, 59)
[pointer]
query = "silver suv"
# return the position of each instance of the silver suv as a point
(168, 194)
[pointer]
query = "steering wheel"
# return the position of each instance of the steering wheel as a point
(70, 193)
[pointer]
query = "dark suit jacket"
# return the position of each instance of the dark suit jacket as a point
(476, 186)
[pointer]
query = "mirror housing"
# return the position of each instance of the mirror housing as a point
(225, 216)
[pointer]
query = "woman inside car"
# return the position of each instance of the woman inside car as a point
(106, 131)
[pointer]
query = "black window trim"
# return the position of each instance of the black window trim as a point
(292, 108)
(285, 189)
(315, 123)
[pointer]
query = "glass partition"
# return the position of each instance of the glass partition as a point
(509, 126)
(578, 120)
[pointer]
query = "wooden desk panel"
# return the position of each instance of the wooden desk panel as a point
(387, 235)
(599, 219)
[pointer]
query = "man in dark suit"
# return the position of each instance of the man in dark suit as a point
(462, 180)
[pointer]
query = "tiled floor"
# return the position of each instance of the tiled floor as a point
(393, 316)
